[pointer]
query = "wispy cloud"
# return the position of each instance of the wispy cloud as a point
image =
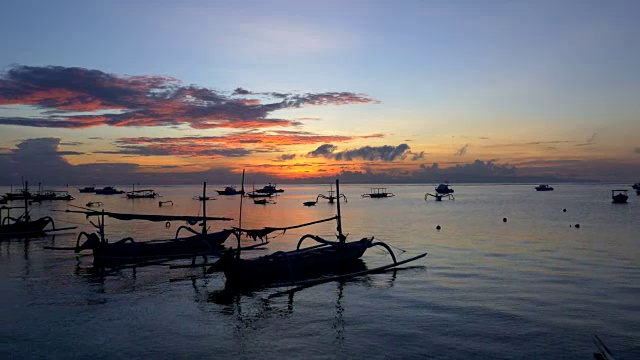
(368, 153)
(285, 157)
(530, 143)
(590, 140)
(82, 98)
(462, 150)
(234, 144)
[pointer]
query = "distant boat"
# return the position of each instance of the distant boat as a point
(378, 193)
(142, 194)
(263, 201)
(544, 187)
(444, 189)
(269, 189)
(619, 196)
(256, 194)
(108, 190)
(230, 190)
(53, 195)
(636, 186)
(88, 189)
(19, 195)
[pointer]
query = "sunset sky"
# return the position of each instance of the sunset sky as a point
(186, 91)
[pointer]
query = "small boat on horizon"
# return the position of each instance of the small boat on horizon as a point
(619, 196)
(376, 193)
(544, 187)
(444, 188)
(269, 189)
(142, 194)
(636, 186)
(331, 197)
(108, 190)
(49, 195)
(230, 190)
(88, 189)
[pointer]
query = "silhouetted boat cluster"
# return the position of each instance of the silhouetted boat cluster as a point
(303, 265)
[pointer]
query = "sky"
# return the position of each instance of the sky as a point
(292, 91)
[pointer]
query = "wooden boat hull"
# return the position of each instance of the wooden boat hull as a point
(292, 266)
(230, 192)
(24, 229)
(108, 191)
(254, 195)
(127, 251)
(133, 196)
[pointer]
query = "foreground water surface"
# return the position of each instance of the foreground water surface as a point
(534, 286)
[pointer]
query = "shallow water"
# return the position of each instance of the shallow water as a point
(535, 286)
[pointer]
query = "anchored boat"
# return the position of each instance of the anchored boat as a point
(331, 197)
(269, 189)
(142, 194)
(444, 188)
(544, 187)
(230, 190)
(619, 196)
(108, 190)
(378, 193)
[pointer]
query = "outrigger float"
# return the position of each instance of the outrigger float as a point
(438, 196)
(127, 250)
(302, 266)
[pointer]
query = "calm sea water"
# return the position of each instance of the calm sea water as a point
(533, 287)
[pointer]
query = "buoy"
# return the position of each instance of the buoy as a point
(438, 227)
(564, 210)
(577, 226)
(504, 219)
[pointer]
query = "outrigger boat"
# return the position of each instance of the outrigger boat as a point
(438, 196)
(378, 193)
(332, 197)
(444, 189)
(128, 251)
(23, 226)
(142, 194)
(302, 266)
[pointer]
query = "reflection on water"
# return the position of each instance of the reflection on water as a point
(532, 287)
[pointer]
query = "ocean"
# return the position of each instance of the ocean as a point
(511, 273)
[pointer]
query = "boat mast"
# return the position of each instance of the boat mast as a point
(26, 201)
(204, 208)
(341, 237)
(240, 218)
